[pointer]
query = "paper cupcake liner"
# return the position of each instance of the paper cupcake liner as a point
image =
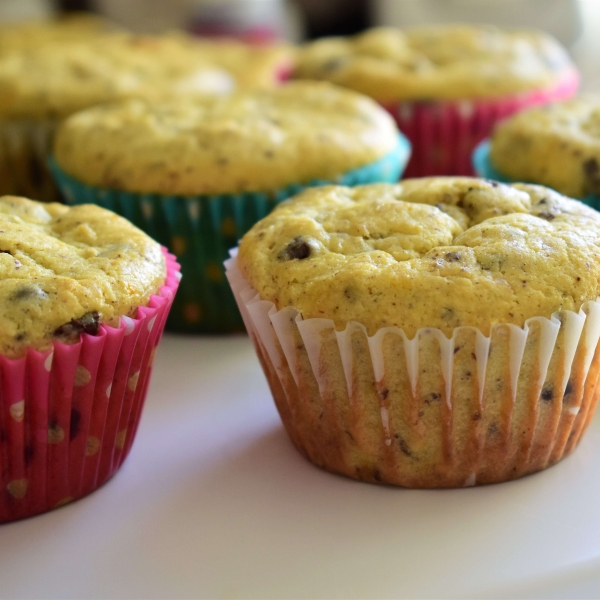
(443, 134)
(68, 416)
(24, 149)
(483, 167)
(200, 230)
(430, 411)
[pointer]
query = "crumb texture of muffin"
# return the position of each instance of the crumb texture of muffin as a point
(557, 145)
(433, 252)
(250, 141)
(65, 271)
(437, 62)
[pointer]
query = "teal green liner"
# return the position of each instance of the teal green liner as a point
(484, 167)
(200, 230)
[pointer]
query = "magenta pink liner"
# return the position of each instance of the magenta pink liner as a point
(444, 134)
(68, 417)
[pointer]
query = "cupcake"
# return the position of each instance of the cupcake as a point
(196, 175)
(84, 298)
(445, 85)
(556, 145)
(438, 333)
(64, 77)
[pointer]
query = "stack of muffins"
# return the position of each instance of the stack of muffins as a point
(437, 332)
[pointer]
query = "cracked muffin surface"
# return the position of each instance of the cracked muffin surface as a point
(249, 141)
(64, 271)
(437, 62)
(557, 145)
(433, 252)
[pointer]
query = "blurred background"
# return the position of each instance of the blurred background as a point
(576, 23)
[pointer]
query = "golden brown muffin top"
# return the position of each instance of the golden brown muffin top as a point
(557, 145)
(56, 79)
(66, 270)
(251, 141)
(437, 62)
(433, 252)
(74, 27)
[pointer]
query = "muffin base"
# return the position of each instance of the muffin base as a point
(24, 149)
(430, 412)
(69, 416)
(483, 167)
(444, 133)
(200, 230)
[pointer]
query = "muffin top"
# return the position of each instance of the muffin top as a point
(433, 252)
(251, 141)
(557, 145)
(67, 76)
(437, 62)
(77, 26)
(64, 271)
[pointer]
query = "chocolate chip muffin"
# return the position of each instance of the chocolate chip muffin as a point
(65, 76)
(68, 270)
(446, 85)
(437, 333)
(557, 145)
(197, 174)
(84, 297)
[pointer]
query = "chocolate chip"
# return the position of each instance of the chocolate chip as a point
(493, 429)
(452, 256)
(568, 389)
(456, 349)
(89, 323)
(297, 249)
(75, 425)
(547, 393)
(334, 64)
(28, 291)
(548, 216)
(592, 175)
(404, 447)
(384, 394)
(433, 397)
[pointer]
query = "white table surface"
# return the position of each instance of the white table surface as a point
(214, 502)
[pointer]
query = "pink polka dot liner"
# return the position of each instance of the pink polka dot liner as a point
(443, 134)
(68, 417)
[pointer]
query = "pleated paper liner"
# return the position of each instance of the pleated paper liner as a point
(433, 411)
(68, 417)
(24, 148)
(200, 230)
(484, 167)
(443, 134)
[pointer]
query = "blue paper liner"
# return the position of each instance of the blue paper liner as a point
(200, 230)
(483, 166)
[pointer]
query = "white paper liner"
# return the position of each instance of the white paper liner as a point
(272, 329)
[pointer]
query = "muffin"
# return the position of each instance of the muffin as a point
(66, 76)
(556, 145)
(84, 298)
(438, 333)
(196, 175)
(446, 85)
(72, 27)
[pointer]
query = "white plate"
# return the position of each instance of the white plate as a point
(215, 502)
